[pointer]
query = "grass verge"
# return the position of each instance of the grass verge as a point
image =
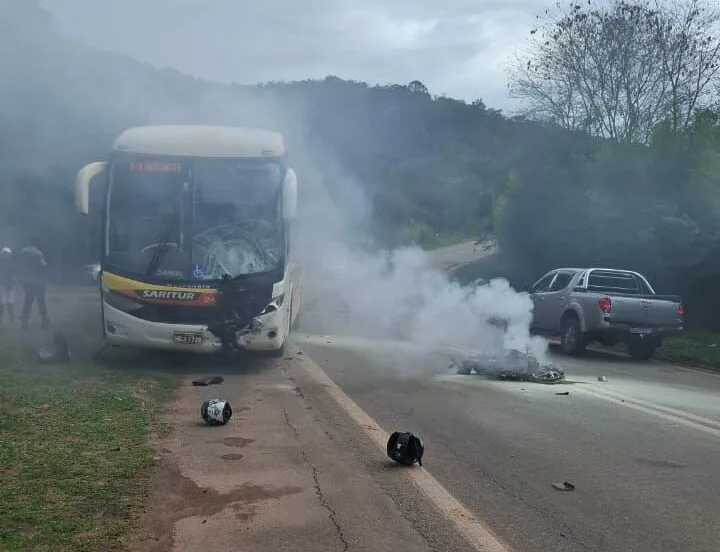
(75, 456)
(692, 348)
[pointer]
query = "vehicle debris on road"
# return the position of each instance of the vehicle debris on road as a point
(602, 379)
(210, 380)
(405, 448)
(564, 486)
(216, 412)
(512, 365)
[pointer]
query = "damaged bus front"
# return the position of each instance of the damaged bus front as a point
(196, 248)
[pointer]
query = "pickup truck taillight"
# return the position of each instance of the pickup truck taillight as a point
(605, 304)
(681, 312)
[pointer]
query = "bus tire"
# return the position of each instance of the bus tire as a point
(277, 353)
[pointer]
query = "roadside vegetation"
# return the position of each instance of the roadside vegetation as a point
(694, 348)
(75, 455)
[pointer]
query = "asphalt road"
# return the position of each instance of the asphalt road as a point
(460, 253)
(642, 449)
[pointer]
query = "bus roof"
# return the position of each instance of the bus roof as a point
(200, 141)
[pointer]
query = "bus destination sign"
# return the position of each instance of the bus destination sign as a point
(155, 166)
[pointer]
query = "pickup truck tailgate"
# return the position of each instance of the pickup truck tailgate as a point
(642, 312)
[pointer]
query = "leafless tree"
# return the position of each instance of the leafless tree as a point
(689, 48)
(621, 67)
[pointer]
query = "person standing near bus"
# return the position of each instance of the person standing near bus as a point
(7, 285)
(32, 273)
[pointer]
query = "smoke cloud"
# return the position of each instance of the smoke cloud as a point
(357, 290)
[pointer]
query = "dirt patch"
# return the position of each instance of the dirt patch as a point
(175, 497)
(238, 442)
(232, 457)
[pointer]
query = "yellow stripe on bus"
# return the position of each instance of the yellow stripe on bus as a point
(115, 282)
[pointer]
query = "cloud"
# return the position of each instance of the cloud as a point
(456, 47)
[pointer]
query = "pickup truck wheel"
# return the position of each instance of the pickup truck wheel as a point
(465, 368)
(640, 350)
(572, 339)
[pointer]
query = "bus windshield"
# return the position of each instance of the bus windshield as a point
(237, 218)
(201, 220)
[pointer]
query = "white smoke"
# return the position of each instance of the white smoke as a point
(395, 295)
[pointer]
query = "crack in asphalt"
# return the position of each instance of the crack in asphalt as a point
(332, 514)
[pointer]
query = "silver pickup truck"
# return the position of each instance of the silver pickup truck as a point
(608, 306)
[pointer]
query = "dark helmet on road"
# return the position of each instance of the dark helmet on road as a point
(216, 412)
(405, 448)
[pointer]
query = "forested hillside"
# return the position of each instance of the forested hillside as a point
(555, 189)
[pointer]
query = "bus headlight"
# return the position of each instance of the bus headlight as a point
(274, 305)
(120, 302)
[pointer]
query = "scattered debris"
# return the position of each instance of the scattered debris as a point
(56, 352)
(513, 366)
(405, 448)
(602, 379)
(210, 380)
(564, 486)
(216, 412)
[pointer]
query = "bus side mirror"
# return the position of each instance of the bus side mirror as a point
(82, 185)
(290, 195)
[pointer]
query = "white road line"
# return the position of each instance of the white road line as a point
(665, 412)
(473, 530)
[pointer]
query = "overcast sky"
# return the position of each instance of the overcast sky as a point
(456, 47)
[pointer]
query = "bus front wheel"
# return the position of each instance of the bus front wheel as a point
(277, 353)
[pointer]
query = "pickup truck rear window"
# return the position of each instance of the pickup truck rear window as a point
(616, 282)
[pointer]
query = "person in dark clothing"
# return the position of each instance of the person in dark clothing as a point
(32, 274)
(7, 285)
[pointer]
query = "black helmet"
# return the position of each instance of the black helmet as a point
(405, 448)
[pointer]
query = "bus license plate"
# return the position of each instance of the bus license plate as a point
(641, 330)
(188, 338)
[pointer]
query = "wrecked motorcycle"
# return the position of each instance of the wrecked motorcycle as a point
(511, 366)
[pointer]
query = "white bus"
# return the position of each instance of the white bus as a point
(196, 247)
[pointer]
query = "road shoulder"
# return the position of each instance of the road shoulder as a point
(290, 471)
